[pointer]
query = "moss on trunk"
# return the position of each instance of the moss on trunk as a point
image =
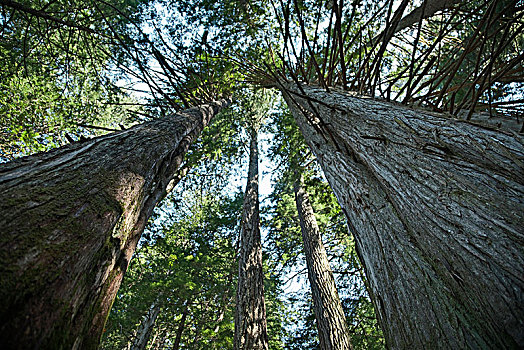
(72, 218)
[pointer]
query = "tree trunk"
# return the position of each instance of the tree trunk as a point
(436, 206)
(144, 331)
(181, 326)
(71, 219)
(333, 332)
(250, 315)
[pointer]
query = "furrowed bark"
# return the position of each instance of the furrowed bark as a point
(71, 219)
(146, 327)
(333, 332)
(436, 206)
(250, 314)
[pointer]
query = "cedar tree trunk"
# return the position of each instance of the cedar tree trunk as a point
(250, 315)
(436, 206)
(333, 332)
(71, 219)
(144, 331)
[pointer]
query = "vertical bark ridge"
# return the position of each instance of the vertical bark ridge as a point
(250, 315)
(72, 218)
(435, 205)
(333, 332)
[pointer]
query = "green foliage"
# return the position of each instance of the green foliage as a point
(190, 262)
(54, 78)
(36, 114)
(276, 312)
(111, 64)
(303, 334)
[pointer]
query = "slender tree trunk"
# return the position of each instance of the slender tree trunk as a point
(333, 331)
(146, 327)
(154, 340)
(250, 315)
(436, 206)
(181, 326)
(160, 339)
(71, 219)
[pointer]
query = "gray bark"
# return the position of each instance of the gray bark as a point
(146, 327)
(436, 206)
(333, 331)
(71, 219)
(250, 314)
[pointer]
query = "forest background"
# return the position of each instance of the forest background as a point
(75, 70)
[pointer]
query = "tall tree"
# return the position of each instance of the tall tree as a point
(331, 322)
(72, 219)
(250, 315)
(434, 202)
(437, 222)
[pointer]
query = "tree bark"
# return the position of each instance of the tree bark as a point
(250, 315)
(436, 206)
(71, 219)
(333, 332)
(146, 327)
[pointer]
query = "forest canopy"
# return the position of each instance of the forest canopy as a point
(261, 174)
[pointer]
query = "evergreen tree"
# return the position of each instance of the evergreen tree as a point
(424, 202)
(90, 203)
(411, 110)
(250, 315)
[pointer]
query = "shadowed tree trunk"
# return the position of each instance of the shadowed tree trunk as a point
(436, 206)
(181, 327)
(71, 219)
(146, 326)
(250, 315)
(333, 332)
